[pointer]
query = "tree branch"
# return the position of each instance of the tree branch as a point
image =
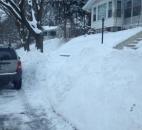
(11, 9)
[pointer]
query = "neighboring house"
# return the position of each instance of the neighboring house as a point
(118, 14)
(49, 32)
(8, 31)
(3, 18)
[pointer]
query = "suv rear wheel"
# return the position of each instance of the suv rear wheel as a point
(17, 84)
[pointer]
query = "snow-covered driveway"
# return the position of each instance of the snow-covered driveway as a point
(29, 108)
(18, 114)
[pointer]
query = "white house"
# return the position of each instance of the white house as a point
(118, 14)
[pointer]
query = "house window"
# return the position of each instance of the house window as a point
(102, 11)
(94, 14)
(127, 8)
(119, 7)
(136, 7)
(110, 9)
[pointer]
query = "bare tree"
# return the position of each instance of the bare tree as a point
(28, 19)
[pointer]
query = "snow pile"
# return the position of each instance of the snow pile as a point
(93, 86)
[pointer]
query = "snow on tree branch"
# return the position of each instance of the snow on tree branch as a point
(11, 6)
(33, 23)
(16, 11)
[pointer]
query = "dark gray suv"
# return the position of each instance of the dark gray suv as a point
(10, 67)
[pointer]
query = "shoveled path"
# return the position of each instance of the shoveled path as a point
(28, 119)
(17, 113)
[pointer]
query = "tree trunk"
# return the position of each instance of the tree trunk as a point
(27, 44)
(39, 42)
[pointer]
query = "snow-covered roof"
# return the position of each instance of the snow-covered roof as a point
(88, 5)
(1, 10)
(3, 16)
(48, 28)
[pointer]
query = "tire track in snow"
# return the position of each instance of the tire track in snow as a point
(63, 118)
(32, 113)
(38, 118)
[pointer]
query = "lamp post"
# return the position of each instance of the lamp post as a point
(103, 20)
(0, 31)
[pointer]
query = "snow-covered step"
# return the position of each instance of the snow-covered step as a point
(134, 48)
(131, 41)
(134, 42)
(139, 39)
(129, 45)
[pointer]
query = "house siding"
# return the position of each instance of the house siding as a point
(133, 20)
(109, 22)
(114, 21)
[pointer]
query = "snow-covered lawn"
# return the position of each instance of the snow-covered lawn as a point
(88, 84)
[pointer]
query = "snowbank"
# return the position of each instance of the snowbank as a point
(91, 85)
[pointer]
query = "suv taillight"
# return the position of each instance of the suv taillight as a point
(19, 66)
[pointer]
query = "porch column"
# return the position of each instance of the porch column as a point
(123, 10)
(140, 20)
(114, 12)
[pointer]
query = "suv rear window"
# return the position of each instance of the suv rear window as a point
(7, 54)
